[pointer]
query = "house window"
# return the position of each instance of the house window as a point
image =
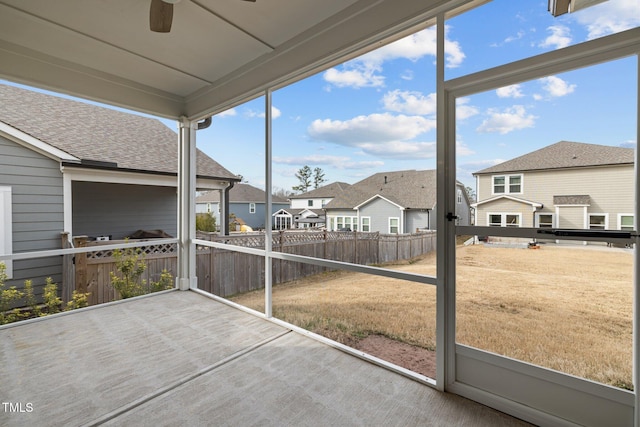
(366, 223)
(252, 208)
(625, 222)
(597, 221)
(323, 202)
(208, 207)
(544, 220)
(507, 184)
(504, 220)
(6, 228)
(394, 225)
(459, 196)
(310, 203)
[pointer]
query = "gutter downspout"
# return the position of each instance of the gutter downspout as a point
(225, 210)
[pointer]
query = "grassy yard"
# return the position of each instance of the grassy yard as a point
(564, 308)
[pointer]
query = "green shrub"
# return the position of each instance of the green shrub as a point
(131, 265)
(205, 222)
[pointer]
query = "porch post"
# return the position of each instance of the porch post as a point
(186, 277)
(268, 243)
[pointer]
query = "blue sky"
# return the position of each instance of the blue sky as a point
(376, 113)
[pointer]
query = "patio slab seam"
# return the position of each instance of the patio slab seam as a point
(168, 388)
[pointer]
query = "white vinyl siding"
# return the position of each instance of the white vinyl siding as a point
(607, 187)
(6, 228)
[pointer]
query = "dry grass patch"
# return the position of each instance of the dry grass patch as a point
(568, 309)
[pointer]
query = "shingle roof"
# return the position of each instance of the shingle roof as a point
(565, 154)
(240, 193)
(409, 189)
(91, 132)
(331, 190)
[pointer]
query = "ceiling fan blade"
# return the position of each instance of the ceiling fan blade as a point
(160, 16)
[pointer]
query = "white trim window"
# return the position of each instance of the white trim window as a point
(365, 223)
(544, 220)
(459, 196)
(394, 225)
(252, 208)
(6, 228)
(598, 221)
(507, 184)
(625, 222)
(344, 223)
(504, 219)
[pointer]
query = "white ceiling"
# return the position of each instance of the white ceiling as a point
(218, 53)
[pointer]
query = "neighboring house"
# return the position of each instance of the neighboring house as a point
(392, 202)
(69, 166)
(306, 210)
(245, 202)
(564, 185)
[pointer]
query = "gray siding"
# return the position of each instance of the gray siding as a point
(253, 220)
(37, 211)
(418, 219)
(380, 211)
(117, 210)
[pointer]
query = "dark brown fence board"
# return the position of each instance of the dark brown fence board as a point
(225, 273)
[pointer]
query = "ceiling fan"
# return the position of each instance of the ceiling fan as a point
(161, 15)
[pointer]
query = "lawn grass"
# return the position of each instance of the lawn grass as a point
(564, 308)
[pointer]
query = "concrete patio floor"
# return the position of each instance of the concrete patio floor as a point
(181, 358)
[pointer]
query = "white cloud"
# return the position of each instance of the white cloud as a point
(512, 91)
(609, 17)
(228, 113)
(339, 162)
(383, 135)
(275, 113)
(372, 128)
(464, 111)
(354, 75)
(560, 37)
(410, 102)
(508, 120)
(407, 150)
(556, 87)
(463, 150)
(365, 71)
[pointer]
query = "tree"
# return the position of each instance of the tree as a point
(471, 193)
(318, 177)
(304, 176)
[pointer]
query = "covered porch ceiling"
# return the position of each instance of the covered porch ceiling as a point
(218, 53)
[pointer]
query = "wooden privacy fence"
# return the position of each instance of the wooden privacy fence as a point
(226, 272)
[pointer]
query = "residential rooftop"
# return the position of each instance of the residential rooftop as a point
(565, 154)
(240, 193)
(99, 136)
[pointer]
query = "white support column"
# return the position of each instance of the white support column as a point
(446, 289)
(186, 278)
(268, 279)
(636, 264)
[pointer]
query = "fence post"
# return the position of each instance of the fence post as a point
(68, 283)
(355, 248)
(81, 264)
